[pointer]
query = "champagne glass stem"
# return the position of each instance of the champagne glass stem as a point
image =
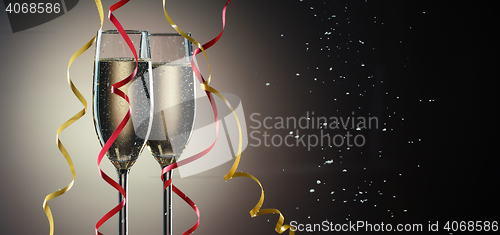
(123, 216)
(167, 205)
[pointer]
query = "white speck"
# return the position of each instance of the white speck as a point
(345, 170)
(318, 181)
(311, 191)
(291, 132)
(267, 83)
(297, 74)
(347, 93)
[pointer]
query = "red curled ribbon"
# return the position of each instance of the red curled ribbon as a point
(216, 118)
(256, 211)
(115, 90)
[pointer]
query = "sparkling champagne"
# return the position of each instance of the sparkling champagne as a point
(110, 109)
(174, 111)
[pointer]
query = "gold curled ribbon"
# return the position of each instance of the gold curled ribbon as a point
(256, 210)
(171, 22)
(66, 124)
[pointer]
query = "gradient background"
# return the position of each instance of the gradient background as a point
(427, 76)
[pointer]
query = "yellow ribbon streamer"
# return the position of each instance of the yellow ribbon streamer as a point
(256, 211)
(171, 22)
(66, 124)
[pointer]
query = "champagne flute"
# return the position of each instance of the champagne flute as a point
(114, 61)
(174, 109)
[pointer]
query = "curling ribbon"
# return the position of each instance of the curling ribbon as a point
(256, 211)
(115, 90)
(66, 124)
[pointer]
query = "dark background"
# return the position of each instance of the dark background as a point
(425, 61)
(425, 69)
